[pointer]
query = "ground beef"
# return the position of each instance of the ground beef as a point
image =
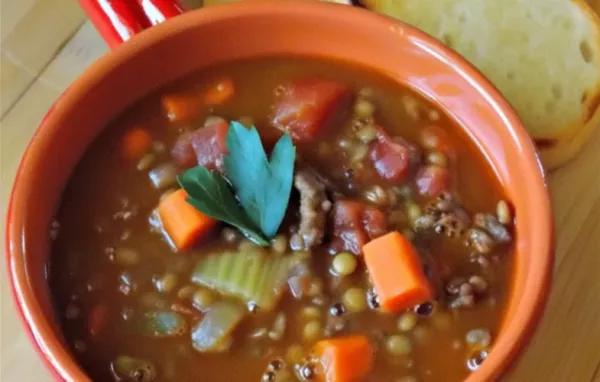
(314, 206)
(445, 216)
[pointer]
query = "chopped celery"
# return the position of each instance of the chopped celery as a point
(254, 276)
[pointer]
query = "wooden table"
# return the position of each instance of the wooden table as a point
(45, 44)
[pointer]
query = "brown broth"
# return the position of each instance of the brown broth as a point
(107, 202)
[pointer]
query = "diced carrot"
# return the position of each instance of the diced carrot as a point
(219, 92)
(136, 142)
(343, 359)
(397, 272)
(98, 319)
(182, 107)
(181, 221)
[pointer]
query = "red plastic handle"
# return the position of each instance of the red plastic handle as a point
(119, 20)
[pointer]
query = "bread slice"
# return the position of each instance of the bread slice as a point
(560, 152)
(543, 55)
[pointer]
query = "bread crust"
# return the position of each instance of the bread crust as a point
(564, 150)
(565, 141)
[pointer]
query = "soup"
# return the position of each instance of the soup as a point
(366, 239)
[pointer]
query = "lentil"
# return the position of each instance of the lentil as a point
(407, 321)
(166, 283)
(363, 109)
(164, 175)
(343, 264)
(367, 134)
(355, 300)
(279, 244)
(294, 354)
(503, 212)
(145, 162)
(437, 158)
(310, 312)
(312, 331)
(413, 211)
(278, 329)
(398, 345)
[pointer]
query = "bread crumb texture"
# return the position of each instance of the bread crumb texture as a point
(543, 55)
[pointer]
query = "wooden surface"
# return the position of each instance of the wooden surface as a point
(45, 44)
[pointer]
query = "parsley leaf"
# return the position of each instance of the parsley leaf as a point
(210, 194)
(262, 186)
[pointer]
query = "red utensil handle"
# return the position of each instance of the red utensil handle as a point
(119, 20)
(157, 11)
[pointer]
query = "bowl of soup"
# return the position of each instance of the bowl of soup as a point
(291, 191)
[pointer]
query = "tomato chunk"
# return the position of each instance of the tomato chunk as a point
(355, 223)
(304, 106)
(205, 146)
(393, 157)
(432, 180)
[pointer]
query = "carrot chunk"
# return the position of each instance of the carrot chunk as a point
(181, 221)
(182, 107)
(219, 92)
(136, 142)
(343, 359)
(397, 272)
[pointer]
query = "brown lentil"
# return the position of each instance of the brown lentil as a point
(279, 244)
(164, 175)
(503, 212)
(413, 211)
(398, 344)
(367, 134)
(407, 321)
(294, 354)
(145, 162)
(310, 312)
(343, 264)
(278, 330)
(437, 158)
(355, 300)
(166, 283)
(363, 109)
(312, 331)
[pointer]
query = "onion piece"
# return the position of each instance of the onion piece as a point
(215, 327)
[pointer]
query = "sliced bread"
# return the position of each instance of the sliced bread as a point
(543, 55)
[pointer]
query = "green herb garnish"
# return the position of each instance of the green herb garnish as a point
(262, 187)
(210, 194)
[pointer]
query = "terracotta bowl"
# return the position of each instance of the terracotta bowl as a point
(259, 28)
